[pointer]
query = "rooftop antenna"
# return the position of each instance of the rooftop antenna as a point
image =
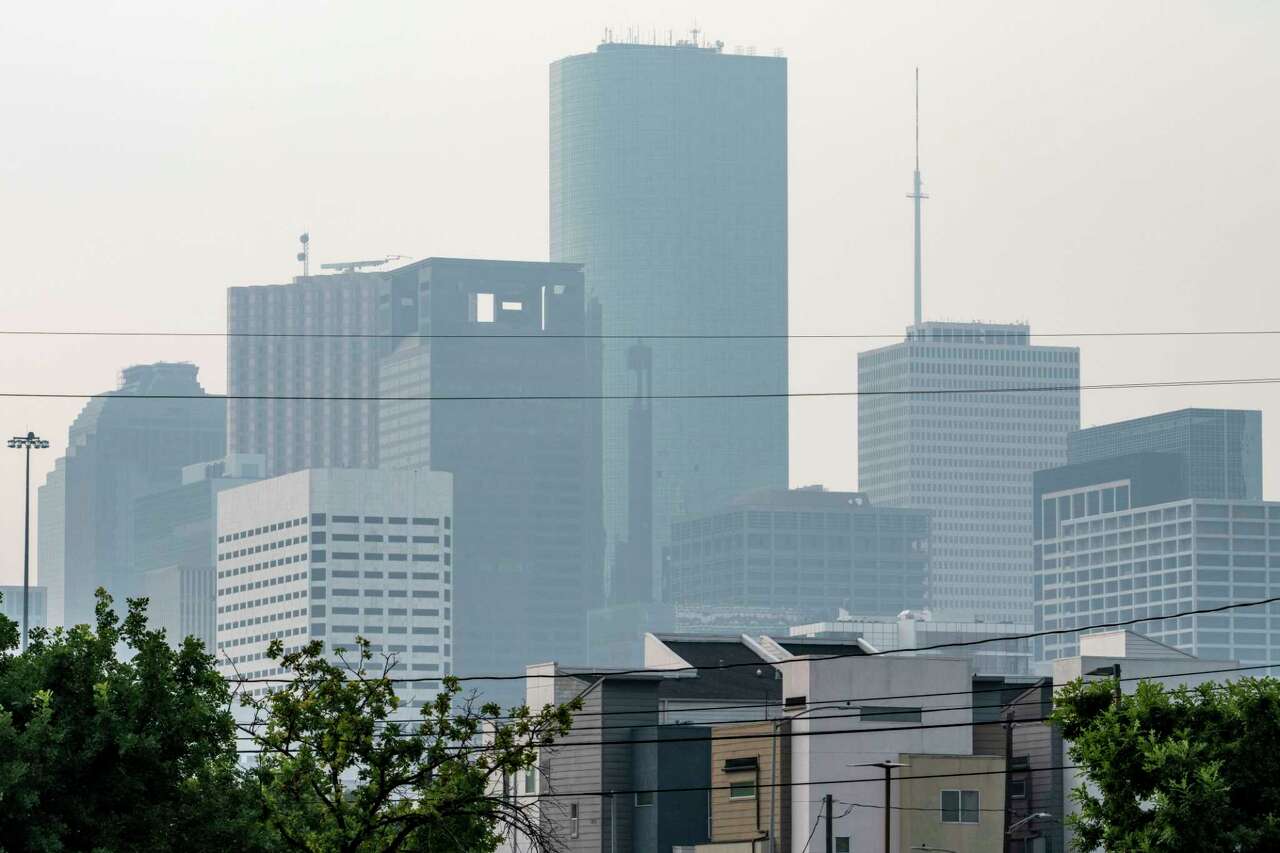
(305, 255)
(917, 196)
(695, 32)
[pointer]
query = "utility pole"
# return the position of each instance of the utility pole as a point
(1008, 766)
(888, 767)
(826, 805)
(27, 442)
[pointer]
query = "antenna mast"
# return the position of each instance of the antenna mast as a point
(305, 255)
(917, 196)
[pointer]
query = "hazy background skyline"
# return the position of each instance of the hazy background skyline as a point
(1091, 168)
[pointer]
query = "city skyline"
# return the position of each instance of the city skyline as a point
(1176, 250)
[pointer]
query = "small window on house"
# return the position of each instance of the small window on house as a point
(644, 798)
(531, 780)
(888, 714)
(573, 820)
(842, 844)
(742, 790)
(1018, 788)
(960, 807)
(512, 305)
(484, 303)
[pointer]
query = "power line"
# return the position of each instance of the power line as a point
(1054, 632)
(762, 395)
(950, 335)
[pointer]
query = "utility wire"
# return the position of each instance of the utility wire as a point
(950, 335)
(1055, 632)
(762, 395)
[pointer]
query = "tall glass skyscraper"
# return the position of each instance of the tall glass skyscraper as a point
(966, 454)
(1222, 448)
(669, 184)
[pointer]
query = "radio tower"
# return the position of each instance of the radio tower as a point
(917, 196)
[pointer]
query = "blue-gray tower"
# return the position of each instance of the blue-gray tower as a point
(669, 183)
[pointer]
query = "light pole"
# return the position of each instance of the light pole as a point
(925, 848)
(888, 794)
(1018, 824)
(773, 763)
(26, 442)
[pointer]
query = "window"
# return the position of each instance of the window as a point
(959, 806)
(573, 820)
(644, 798)
(842, 844)
(1018, 788)
(888, 714)
(742, 790)
(531, 780)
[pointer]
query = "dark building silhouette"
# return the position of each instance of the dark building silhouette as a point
(119, 449)
(527, 535)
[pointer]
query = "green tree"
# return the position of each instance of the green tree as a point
(107, 754)
(1178, 770)
(340, 772)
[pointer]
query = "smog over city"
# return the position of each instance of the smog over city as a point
(725, 427)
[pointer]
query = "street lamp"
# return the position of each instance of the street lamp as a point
(1029, 818)
(888, 767)
(927, 849)
(26, 442)
(773, 762)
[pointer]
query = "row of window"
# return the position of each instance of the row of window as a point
(320, 519)
(249, 568)
(266, 528)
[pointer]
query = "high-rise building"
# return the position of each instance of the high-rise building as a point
(964, 447)
(333, 554)
(1222, 448)
(293, 345)
(37, 604)
(525, 466)
(669, 184)
(174, 548)
(805, 551)
(124, 444)
(1127, 537)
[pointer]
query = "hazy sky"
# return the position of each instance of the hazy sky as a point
(1092, 167)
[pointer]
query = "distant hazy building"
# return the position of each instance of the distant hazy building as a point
(1125, 538)
(917, 630)
(121, 446)
(525, 466)
(316, 337)
(1222, 448)
(37, 604)
(802, 550)
(967, 456)
(333, 554)
(174, 548)
(669, 183)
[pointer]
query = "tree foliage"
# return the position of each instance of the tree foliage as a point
(1178, 770)
(341, 770)
(108, 754)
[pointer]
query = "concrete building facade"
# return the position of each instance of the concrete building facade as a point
(124, 444)
(332, 554)
(964, 448)
(669, 184)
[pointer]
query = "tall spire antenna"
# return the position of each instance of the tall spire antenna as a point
(917, 196)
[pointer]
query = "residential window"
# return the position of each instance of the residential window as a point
(842, 844)
(1018, 788)
(644, 798)
(960, 807)
(742, 790)
(531, 780)
(888, 714)
(573, 820)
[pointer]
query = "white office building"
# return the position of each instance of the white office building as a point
(944, 424)
(332, 554)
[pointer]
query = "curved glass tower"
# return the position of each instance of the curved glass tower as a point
(669, 183)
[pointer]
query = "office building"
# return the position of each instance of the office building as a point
(174, 546)
(910, 629)
(967, 457)
(525, 466)
(332, 554)
(291, 346)
(37, 604)
(805, 551)
(1222, 447)
(124, 444)
(1124, 538)
(669, 184)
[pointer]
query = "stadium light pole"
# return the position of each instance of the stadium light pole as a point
(27, 442)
